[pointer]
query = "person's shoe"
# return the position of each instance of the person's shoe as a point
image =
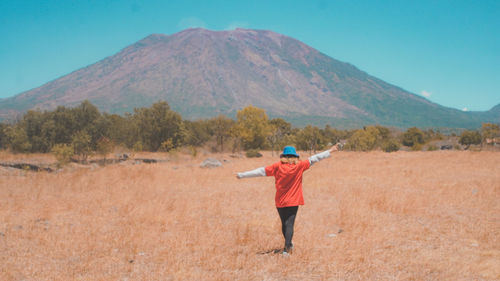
(285, 254)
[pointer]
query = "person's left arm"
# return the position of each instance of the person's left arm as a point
(323, 155)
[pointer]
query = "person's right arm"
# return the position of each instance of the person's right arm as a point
(259, 172)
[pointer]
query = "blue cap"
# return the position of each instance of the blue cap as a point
(289, 151)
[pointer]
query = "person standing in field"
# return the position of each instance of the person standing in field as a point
(288, 180)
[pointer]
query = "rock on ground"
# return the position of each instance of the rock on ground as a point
(211, 163)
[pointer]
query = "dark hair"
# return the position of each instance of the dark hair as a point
(286, 158)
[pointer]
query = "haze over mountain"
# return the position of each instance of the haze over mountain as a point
(203, 73)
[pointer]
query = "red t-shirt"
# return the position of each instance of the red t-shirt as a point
(288, 179)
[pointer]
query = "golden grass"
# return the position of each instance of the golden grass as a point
(404, 216)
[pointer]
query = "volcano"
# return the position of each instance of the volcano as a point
(203, 73)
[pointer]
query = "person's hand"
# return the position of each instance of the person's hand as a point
(237, 176)
(335, 148)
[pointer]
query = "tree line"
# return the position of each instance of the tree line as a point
(84, 130)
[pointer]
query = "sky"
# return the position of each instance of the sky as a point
(447, 51)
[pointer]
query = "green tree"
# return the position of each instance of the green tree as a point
(384, 133)
(158, 124)
(333, 135)
(167, 145)
(104, 147)
(413, 137)
(63, 154)
(64, 124)
(197, 132)
(221, 127)
(364, 139)
(279, 129)
(81, 143)
(17, 139)
(490, 131)
(310, 139)
(32, 123)
(3, 136)
(430, 134)
(390, 145)
(252, 127)
(87, 117)
(121, 130)
(469, 138)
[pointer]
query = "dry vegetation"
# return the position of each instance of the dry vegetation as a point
(404, 216)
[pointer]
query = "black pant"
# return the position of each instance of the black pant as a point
(287, 216)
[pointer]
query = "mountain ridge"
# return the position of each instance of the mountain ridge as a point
(202, 73)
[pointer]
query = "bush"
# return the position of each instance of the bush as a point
(138, 147)
(432, 147)
(413, 137)
(252, 127)
(253, 153)
(390, 146)
(63, 154)
(490, 131)
(167, 145)
(81, 142)
(104, 147)
(363, 139)
(470, 137)
(417, 147)
(310, 139)
(18, 140)
(194, 151)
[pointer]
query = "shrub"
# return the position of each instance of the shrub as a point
(310, 139)
(490, 131)
(363, 139)
(104, 147)
(81, 142)
(138, 146)
(252, 127)
(194, 151)
(390, 146)
(18, 139)
(469, 137)
(253, 153)
(417, 147)
(413, 136)
(63, 154)
(167, 145)
(432, 147)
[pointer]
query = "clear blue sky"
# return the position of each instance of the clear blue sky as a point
(447, 51)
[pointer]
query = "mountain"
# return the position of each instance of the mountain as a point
(495, 110)
(203, 73)
(493, 115)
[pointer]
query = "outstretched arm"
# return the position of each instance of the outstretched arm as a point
(259, 172)
(336, 147)
(323, 155)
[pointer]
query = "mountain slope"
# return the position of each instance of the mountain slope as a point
(203, 73)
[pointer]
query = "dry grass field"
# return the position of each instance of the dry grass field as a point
(403, 216)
